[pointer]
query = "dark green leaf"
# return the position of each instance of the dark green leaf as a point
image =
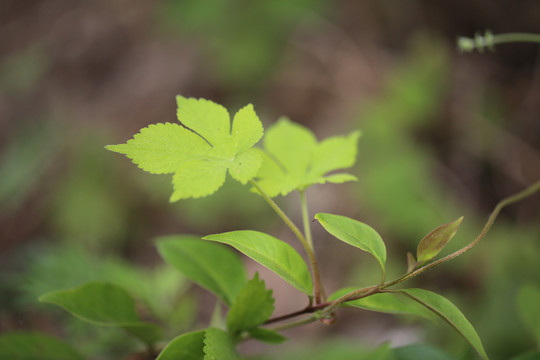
(355, 233)
(104, 304)
(218, 345)
(267, 335)
(449, 313)
(187, 346)
(211, 266)
(273, 253)
(35, 346)
(253, 306)
(386, 303)
(436, 240)
(529, 308)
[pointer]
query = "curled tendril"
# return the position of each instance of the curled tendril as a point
(488, 40)
(479, 43)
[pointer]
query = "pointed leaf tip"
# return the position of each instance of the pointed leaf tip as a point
(270, 252)
(355, 233)
(203, 146)
(450, 313)
(432, 244)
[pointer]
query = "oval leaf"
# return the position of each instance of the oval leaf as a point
(218, 345)
(273, 253)
(187, 346)
(211, 266)
(104, 304)
(435, 241)
(384, 302)
(355, 233)
(32, 346)
(449, 313)
(267, 335)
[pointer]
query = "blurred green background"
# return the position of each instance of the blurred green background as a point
(444, 135)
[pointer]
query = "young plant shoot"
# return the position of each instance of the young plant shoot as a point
(200, 152)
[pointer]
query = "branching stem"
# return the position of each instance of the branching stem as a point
(505, 202)
(309, 249)
(328, 307)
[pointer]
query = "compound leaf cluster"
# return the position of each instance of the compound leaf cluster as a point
(200, 152)
(294, 160)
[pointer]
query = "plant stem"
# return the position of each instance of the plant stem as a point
(489, 40)
(309, 250)
(329, 307)
(509, 200)
(309, 240)
(305, 218)
(293, 324)
(353, 295)
(515, 37)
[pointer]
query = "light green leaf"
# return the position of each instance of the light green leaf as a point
(436, 240)
(200, 153)
(197, 178)
(208, 119)
(246, 165)
(211, 266)
(273, 253)
(337, 178)
(267, 335)
(187, 346)
(384, 302)
(35, 346)
(104, 304)
(253, 306)
(162, 148)
(294, 160)
(528, 299)
(443, 308)
(218, 345)
(336, 152)
(355, 233)
(247, 129)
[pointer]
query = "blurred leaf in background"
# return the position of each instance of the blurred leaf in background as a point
(243, 39)
(24, 162)
(88, 207)
(20, 72)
